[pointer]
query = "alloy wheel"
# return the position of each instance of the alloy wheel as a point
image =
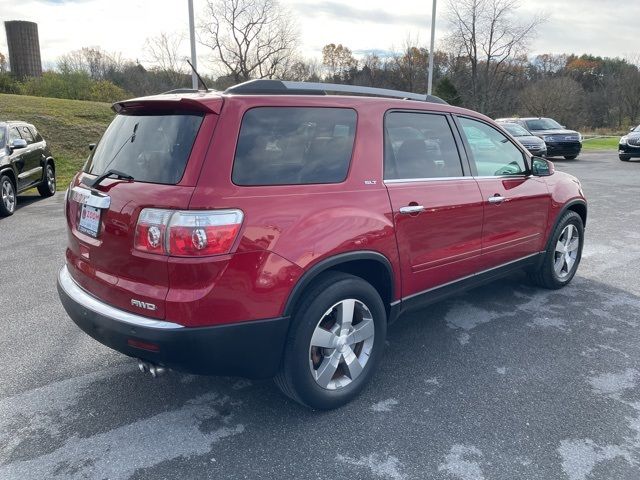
(341, 344)
(8, 195)
(566, 252)
(51, 179)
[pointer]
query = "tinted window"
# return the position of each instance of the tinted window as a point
(26, 134)
(492, 152)
(419, 145)
(36, 135)
(150, 148)
(297, 145)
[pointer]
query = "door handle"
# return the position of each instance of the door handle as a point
(412, 209)
(496, 199)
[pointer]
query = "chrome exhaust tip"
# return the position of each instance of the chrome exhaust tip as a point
(152, 368)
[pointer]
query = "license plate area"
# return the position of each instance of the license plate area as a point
(89, 221)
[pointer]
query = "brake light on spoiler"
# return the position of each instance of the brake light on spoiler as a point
(187, 233)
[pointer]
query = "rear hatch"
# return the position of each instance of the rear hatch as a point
(154, 150)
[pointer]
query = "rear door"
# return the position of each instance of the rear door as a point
(437, 209)
(516, 203)
(32, 156)
(162, 150)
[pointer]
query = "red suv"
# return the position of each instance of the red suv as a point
(274, 230)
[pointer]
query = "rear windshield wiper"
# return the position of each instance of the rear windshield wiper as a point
(109, 173)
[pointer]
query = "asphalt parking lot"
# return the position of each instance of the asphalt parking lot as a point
(505, 382)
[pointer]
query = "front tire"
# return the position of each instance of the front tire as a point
(562, 257)
(48, 186)
(624, 158)
(570, 157)
(8, 196)
(335, 342)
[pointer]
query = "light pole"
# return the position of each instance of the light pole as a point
(192, 37)
(433, 37)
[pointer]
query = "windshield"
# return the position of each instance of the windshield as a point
(150, 148)
(516, 130)
(543, 124)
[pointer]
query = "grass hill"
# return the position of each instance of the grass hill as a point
(68, 126)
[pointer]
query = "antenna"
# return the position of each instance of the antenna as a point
(198, 75)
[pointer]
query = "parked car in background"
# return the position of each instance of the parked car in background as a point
(534, 144)
(560, 141)
(274, 230)
(629, 145)
(25, 162)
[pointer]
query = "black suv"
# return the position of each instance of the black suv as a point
(560, 141)
(629, 145)
(25, 162)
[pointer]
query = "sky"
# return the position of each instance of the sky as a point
(600, 27)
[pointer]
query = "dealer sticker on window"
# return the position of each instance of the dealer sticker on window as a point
(89, 220)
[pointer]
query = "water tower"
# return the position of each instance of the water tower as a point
(24, 48)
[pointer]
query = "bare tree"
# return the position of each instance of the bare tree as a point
(249, 38)
(487, 35)
(163, 51)
(560, 98)
(630, 89)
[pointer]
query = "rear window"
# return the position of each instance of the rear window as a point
(294, 146)
(151, 148)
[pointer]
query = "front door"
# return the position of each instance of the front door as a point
(516, 204)
(437, 209)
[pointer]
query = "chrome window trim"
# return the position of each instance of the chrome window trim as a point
(80, 296)
(88, 197)
(431, 179)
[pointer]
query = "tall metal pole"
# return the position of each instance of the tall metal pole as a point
(433, 37)
(192, 38)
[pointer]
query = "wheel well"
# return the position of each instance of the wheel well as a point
(9, 173)
(375, 272)
(581, 210)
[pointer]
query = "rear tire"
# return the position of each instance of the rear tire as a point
(624, 158)
(570, 157)
(562, 257)
(335, 342)
(7, 196)
(48, 186)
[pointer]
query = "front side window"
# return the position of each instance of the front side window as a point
(491, 151)
(13, 134)
(2, 136)
(294, 146)
(151, 148)
(419, 145)
(516, 130)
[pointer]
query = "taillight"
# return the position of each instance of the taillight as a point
(187, 233)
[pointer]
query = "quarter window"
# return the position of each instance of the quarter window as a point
(419, 145)
(294, 145)
(491, 151)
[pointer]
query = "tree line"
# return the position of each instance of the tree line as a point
(483, 64)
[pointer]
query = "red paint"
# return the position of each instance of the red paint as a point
(286, 230)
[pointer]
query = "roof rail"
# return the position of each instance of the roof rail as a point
(280, 87)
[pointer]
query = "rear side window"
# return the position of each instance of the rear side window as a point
(26, 134)
(294, 145)
(151, 148)
(419, 145)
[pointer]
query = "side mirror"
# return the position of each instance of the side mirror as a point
(18, 143)
(563, 126)
(92, 146)
(632, 129)
(541, 167)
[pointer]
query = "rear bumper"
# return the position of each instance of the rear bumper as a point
(250, 349)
